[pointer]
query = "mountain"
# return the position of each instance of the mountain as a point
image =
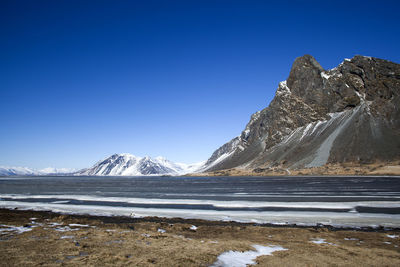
(23, 171)
(130, 165)
(8, 171)
(350, 113)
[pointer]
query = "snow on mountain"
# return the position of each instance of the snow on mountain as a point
(8, 171)
(24, 171)
(115, 165)
(130, 165)
(50, 170)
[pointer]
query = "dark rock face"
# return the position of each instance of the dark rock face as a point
(349, 113)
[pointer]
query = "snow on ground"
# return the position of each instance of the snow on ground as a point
(65, 229)
(12, 228)
(67, 237)
(392, 236)
(78, 225)
(242, 259)
(162, 231)
(321, 241)
(193, 227)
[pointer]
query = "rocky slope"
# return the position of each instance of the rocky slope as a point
(130, 165)
(347, 114)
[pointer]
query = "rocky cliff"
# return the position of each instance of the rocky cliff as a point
(347, 114)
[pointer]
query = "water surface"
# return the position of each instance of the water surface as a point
(339, 201)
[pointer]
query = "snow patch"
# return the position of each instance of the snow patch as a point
(242, 259)
(283, 89)
(321, 241)
(78, 225)
(67, 237)
(12, 228)
(325, 75)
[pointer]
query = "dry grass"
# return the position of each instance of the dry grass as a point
(114, 242)
(378, 168)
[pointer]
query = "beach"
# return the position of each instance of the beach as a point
(32, 238)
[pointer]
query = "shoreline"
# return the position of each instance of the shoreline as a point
(391, 168)
(118, 219)
(31, 238)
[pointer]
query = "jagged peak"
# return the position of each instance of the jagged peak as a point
(307, 61)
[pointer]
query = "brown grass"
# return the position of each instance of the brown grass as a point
(378, 168)
(118, 242)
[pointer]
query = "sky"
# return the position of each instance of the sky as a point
(81, 80)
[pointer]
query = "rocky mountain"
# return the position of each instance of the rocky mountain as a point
(347, 114)
(130, 165)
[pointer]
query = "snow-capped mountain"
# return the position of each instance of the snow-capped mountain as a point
(130, 165)
(24, 171)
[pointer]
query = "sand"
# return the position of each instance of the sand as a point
(77, 240)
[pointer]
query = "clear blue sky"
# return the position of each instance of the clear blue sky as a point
(80, 80)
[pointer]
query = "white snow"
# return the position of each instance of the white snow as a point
(221, 158)
(78, 225)
(350, 239)
(392, 236)
(65, 229)
(24, 171)
(67, 237)
(331, 217)
(162, 231)
(193, 227)
(12, 228)
(323, 152)
(325, 75)
(243, 259)
(5, 170)
(55, 224)
(283, 89)
(321, 241)
(306, 129)
(129, 165)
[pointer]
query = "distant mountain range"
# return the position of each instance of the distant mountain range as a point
(115, 165)
(23, 171)
(350, 114)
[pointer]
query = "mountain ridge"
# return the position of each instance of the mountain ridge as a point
(126, 164)
(123, 164)
(348, 113)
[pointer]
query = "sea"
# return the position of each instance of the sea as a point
(304, 201)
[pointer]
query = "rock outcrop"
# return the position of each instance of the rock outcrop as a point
(347, 114)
